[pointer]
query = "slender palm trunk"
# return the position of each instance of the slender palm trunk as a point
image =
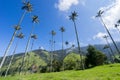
(12, 57)
(79, 50)
(31, 51)
(110, 35)
(32, 44)
(52, 42)
(26, 49)
(11, 41)
(118, 30)
(63, 52)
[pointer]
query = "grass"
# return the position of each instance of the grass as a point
(105, 72)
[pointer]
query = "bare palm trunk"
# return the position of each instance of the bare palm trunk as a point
(32, 44)
(110, 35)
(79, 50)
(26, 49)
(118, 30)
(11, 41)
(12, 57)
(63, 52)
(51, 54)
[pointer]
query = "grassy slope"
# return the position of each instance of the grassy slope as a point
(107, 72)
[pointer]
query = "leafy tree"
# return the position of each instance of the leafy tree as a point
(94, 57)
(71, 61)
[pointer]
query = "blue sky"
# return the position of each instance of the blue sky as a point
(52, 15)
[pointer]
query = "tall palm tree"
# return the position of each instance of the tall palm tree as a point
(106, 38)
(34, 20)
(99, 14)
(34, 37)
(62, 29)
(53, 33)
(73, 17)
(27, 7)
(20, 36)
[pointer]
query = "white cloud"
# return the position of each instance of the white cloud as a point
(111, 14)
(42, 48)
(99, 35)
(65, 5)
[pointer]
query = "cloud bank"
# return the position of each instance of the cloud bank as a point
(65, 5)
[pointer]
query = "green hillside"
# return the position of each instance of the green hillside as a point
(106, 72)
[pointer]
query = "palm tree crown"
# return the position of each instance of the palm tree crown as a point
(73, 16)
(62, 29)
(35, 19)
(17, 27)
(34, 36)
(66, 42)
(21, 35)
(100, 12)
(53, 33)
(27, 6)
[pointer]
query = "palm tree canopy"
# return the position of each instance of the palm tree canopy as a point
(73, 16)
(17, 27)
(21, 35)
(118, 21)
(106, 46)
(66, 42)
(27, 6)
(34, 36)
(53, 33)
(62, 29)
(116, 25)
(73, 45)
(100, 12)
(105, 36)
(35, 19)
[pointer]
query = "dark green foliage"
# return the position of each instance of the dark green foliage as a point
(56, 65)
(94, 57)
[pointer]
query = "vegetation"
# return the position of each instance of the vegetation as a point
(105, 72)
(44, 61)
(94, 57)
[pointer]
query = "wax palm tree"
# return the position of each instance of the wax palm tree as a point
(62, 29)
(99, 14)
(20, 36)
(34, 37)
(73, 17)
(34, 20)
(53, 33)
(27, 7)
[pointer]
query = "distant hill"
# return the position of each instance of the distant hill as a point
(42, 57)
